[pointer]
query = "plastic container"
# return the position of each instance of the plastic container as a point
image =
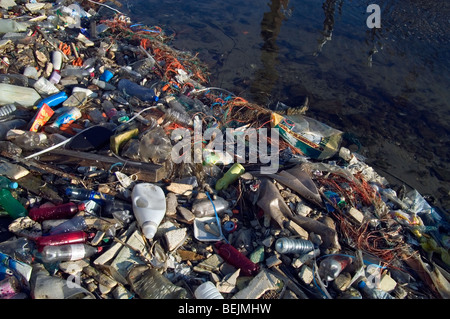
(11, 205)
(106, 76)
(29, 140)
(45, 87)
(207, 290)
(109, 109)
(62, 211)
(373, 293)
(21, 95)
(149, 207)
(51, 254)
(131, 88)
(293, 246)
(85, 194)
(230, 176)
(332, 266)
(205, 208)
(235, 258)
(71, 225)
(75, 237)
(7, 183)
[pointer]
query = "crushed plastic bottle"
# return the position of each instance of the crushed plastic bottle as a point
(332, 266)
(234, 257)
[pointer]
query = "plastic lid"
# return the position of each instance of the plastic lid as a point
(362, 284)
(13, 185)
(81, 207)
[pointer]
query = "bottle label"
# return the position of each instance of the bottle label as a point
(78, 252)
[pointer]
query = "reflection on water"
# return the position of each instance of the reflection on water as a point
(387, 87)
(266, 77)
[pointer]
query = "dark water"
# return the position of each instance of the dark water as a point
(387, 87)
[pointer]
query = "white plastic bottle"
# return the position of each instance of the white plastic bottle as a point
(149, 207)
(207, 290)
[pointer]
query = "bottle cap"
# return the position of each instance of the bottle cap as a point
(149, 231)
(81, 207)
(362, 284)
(13, 185)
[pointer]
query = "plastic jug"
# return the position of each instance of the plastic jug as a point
(24, 96)
(149, 207)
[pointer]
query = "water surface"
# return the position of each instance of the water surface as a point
(387, 88)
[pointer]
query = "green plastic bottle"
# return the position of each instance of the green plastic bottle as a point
(230, 176)
(5, 182)
(14, 208)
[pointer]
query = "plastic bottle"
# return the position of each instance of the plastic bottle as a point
(62, 211)
(31, 72)
(7, 183)
(149, 283)
(69, 116)
(45, 87)
(141, 92)
(332, 266)
(149, 207)
(230, 176)
(11, 205)
(293, 245)
(75, 237)
(373, 293)
(29, 140)
(71, 225)
(53, 100)
(103, 85)
(72, 71)
(7, 109)
(85, 194)
(109, 109)
(235, 258)
(205, 208)
(9, 125)
(51, 254)
(57, 60)
(207, 290)
(24, 96)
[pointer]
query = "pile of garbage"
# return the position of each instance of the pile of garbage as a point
(124, 175)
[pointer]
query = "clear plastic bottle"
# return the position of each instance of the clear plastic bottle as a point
(332, 266)
(51, 254)
(149, 207)
(62, 211)
(7, 109)
(293, 245)
(85, 194)
(141, 92)
(373, 293)
(7, 183)
(235, 258)
(71, 225)
(207, 290)
(29, 140)
(205, 208)
(11, 205)
(149, 283)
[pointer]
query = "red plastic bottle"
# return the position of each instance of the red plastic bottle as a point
(62, 211)
(235, 258)
(75, 237)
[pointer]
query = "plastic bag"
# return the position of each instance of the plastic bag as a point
(313, 138)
